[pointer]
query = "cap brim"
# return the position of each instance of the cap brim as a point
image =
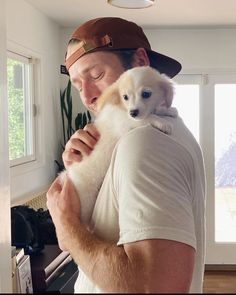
(164, 64)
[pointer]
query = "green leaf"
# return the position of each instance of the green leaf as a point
(63, 109)
(78, 121)
(69, 109)
(84, 120)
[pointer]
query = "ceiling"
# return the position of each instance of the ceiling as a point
(164, 13)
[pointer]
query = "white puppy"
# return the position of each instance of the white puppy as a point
(139, 97)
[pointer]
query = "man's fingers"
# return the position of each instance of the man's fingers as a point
(55, 186)
(81, 135)
(92, 130)
(81, 143)
(70, 157)
(67, 186)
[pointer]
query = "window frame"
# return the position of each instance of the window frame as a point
(29, 103)
(217, 253)
(39, 158)
(192, 79)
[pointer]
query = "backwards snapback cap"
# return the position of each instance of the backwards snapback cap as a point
(113, 33)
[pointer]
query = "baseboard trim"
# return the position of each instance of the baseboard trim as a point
(35, 199)
(220, 267)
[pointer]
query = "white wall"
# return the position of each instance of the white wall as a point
(28, 28)
(5, 234)
(197, 48)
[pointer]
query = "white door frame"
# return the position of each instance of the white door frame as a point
(5, 225)
(216, 253)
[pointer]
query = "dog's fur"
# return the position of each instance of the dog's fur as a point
(139, 97)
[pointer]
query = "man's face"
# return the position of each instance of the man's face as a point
(92, 74)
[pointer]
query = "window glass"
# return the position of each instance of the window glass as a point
(20, 109)
(186, 100)
(225, 163)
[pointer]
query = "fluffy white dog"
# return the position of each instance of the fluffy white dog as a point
(140, 96)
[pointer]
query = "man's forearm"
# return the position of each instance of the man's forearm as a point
(106, 264)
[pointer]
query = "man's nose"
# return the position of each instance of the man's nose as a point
(90, 93)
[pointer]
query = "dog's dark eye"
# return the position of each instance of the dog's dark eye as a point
(125, 96)
(146, 94)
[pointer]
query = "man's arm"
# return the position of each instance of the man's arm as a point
(145, 266)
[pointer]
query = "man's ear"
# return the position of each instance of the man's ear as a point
(140, 58)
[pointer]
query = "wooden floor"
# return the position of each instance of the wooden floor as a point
(219, 281)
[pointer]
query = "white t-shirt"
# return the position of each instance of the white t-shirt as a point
(154, 188)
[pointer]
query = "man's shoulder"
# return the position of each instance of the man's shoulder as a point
(142, 132)
(146, 134)
(143, 140)
(148, 141)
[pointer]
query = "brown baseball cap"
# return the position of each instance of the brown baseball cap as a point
(114, 33)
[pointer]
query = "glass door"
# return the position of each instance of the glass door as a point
(207, 104)
(219, 145)
(225, 163)
(187, 101)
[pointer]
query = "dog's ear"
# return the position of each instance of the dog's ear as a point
(110, 95)
(168, 90)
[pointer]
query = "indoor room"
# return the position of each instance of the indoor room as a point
(42, 104)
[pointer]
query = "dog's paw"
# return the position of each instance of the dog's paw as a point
(173, 112)
(167, 128)
(164, 127)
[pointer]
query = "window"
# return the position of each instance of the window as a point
(225, 163)
(21, 120)
(187, 101)
(207, 105)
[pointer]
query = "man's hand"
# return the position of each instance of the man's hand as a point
(64, 207)
(80, 144)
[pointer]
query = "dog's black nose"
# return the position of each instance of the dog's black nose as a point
(134, 113)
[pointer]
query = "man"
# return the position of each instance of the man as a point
(147, 232)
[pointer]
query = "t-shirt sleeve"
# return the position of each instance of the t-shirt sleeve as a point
(152, 180)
